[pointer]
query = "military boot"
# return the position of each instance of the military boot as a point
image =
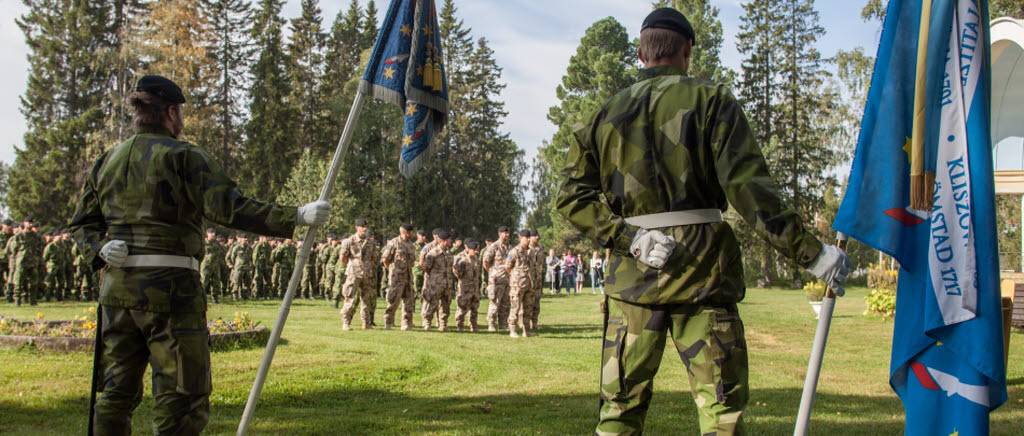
(346, 327)
(367, 326)
(460, 327)
(512, 332)
(388, 325)
(491, 328)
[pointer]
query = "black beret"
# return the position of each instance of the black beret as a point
(28, 219)
(361, 222)
(7, 221)
(502, 229)
(444, 235)
(524, 233)
(467, 241)
(489, 240)
(242, 235)
(407, 227)
(534, 232)
(210, 230)
(472, 245)
(671, 19)
(437, 231)
(162, 87)
(421, 232)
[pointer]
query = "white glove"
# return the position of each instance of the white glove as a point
(651, 247)
(114, 253)
(831, 266)
(313, 214)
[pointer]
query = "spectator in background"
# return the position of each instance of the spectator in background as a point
(569, 271)
(597, 273)
(552, 272)
(581, 270)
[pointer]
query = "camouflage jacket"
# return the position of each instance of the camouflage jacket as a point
(361, 253)
(240, 256)
(674, 143)
(401, 255)
(437, 266)
(54, 256)
(467, 270)
(214, 254)
(261, 252)
(153, 192)
(520, 265)
(25, 251)
(496, 254)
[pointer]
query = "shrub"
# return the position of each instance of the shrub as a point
(815, 290)
(881, 300)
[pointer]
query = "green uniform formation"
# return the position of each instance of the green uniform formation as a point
(41, 267)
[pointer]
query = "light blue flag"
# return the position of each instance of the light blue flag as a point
(407, 69)
(947, 360)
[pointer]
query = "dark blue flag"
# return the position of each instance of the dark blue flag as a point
(407, 69)
(921, 189)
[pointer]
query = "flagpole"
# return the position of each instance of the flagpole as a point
(300, 264)
(828, 303)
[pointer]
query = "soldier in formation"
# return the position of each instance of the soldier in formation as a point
(467, 270)
(498, 281)
(437, 272)
(360, 254)
(521, 269)
(398, 257)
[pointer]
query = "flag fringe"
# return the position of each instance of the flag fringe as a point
(922, 191)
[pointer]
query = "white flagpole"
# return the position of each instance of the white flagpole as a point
(300, 264)
(828, 303)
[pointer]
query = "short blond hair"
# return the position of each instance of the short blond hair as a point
(656, 43)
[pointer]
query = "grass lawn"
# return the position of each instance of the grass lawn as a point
(325, 381)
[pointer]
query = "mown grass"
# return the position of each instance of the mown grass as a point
(325, 381)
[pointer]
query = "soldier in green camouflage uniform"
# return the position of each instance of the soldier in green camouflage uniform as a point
(226, 245)
(53, 284)
(140, 214)
(332, 251)
(240, 262)
(284, 262)
(674, 143)
(25, 251)
(6, 233)
(308, 284)
(84, 280)
(339, 276)
(209, 270)
(261, 268)
(68, 262)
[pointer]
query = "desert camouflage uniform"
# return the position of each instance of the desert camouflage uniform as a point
(358, 289)
(673, 143)
(497, 285)
(401, 255)
(467, 270)
(209, 270)
(437, 269)
(153, 192)
(521, 262)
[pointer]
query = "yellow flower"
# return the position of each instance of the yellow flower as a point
(236, 314)
(39, 315)
(92, 309)
(237, 320)
(219, 322)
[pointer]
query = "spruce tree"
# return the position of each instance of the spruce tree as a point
(305, 68)
(341, 65)
(230, 49)
(271, 148)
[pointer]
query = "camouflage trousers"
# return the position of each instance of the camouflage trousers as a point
(468, 301)
(261, 283)
(241, 282)
(86, 283)
(328, 279)
(27, 285)
(436, 300)
(498, 308)
(711, 344)
(339, 286)
(307, 288)
(538, 291)
(281, 277)
(358, 291)
(55, 284)
(210, 276)
(399, 292)
(521, 307)
(176, 347)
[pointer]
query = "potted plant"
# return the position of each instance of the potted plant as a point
(815, 291)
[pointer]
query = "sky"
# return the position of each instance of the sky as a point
(532, 41)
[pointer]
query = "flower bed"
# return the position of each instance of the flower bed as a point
(79, 333)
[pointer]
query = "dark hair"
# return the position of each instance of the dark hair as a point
(150, 110)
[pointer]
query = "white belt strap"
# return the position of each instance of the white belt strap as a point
(161, 260)
(677, 218)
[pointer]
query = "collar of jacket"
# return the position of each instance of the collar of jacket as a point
(155, 130)
(660, 70)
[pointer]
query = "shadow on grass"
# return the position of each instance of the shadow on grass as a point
(370, 410)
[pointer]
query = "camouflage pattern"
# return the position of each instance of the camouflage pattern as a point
(400, 255)
(711, 344)
(85, 279)
(520, 263)
(283, 257)
(307, 287)
(539, 268)
(323, 251)
(417, 270)
(25, 252)
(339, 278)
(55, 284)
(177, 347)
(437, 298)
(5, 266)
(154, 192)
(118, 201)
(361, 255)
(68, 262)
(467, 270)
(210, 269)
(497, 284)
(261, 269)
(333, 253)
(693, 149)
(240, 260)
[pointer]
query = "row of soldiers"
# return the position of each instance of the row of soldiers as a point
(36, 266)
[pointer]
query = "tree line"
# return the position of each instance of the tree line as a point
(267, 97)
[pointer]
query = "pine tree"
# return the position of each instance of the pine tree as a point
(604, 64)
(230, 49)
(60, 105)
(306, 66)
(706, 62)
(271, 132)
